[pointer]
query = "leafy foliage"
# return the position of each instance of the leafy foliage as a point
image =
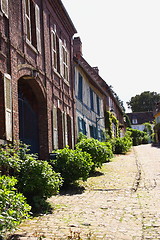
(9, 160)
(72, 164)
(123, 144)
(144, 102)
(138, 137)
(110, 119)
(98, 151)
(13, 206)
(37, 179)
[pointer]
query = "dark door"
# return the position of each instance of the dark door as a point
(28, 125)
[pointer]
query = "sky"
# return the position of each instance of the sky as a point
(122, 38)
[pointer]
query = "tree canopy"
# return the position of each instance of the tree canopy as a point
(144, 102)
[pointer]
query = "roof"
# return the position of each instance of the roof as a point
(97, 81)
(142, 117)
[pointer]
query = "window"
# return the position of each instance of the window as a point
(80, 87)
(54, 49)
(91, 100)
(32, 15)
(65, 63)
(60, 57)
(4, 7)
(134, 121)
(93, 131)
(82, 126)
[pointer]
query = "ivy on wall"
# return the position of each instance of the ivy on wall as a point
(110, 121)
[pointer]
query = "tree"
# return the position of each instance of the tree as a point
(117, 98)
(144, 102)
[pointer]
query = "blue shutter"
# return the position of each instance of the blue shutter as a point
(80, 87)
(98, 106)
(91, 100)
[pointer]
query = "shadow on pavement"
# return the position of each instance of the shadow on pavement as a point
(157, 145)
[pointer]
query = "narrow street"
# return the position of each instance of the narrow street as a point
(122, 202)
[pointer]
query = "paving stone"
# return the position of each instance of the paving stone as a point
(108, 208)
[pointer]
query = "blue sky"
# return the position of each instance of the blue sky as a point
(122, 38)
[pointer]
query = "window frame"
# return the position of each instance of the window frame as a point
(4, 7)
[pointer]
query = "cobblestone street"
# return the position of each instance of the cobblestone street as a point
(122, 203)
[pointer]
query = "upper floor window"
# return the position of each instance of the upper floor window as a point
(4, 7)
(55, 45)
(32, 18)
(134, 121)
(60, 56)
(65, 63)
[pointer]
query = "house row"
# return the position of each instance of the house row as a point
(48, 91)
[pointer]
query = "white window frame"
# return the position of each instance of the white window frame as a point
(38, 27)
(65, 63)
(4, 7)
(28, 23)
(54, 49)
(28, 20)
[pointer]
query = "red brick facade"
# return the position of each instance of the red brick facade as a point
(36, 53)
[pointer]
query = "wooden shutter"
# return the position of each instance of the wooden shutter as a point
(8, 106)
(38, 28)
(98, 105)
(55, 128)
(65, 129)
(80, 86)
(4, 7)
(91, 100)
(72, 131)
(61, 58)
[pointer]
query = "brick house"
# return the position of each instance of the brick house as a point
(36, 74)
(93, 97)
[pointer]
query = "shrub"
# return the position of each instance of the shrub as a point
(98, 151)
(9, 160)
(36, 179)
(122, 145)
(81, 136)
(13, 206)
(138, 137)
(72, 164)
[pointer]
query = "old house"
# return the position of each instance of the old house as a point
(138, 119)
(93, 97)
(36, 74)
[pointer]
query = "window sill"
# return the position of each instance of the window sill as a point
(31, 46)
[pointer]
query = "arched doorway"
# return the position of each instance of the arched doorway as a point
(28, 116)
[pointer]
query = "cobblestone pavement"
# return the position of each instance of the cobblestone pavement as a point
(122, 203)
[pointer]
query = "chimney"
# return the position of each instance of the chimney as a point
(96, 69)
(77, 47)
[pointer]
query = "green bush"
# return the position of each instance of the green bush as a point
(9, 160)
(138, 137)
(72, 164)
(36, 179)
(81, 136)
(13, 206)
(98, 151)
(123, 144)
